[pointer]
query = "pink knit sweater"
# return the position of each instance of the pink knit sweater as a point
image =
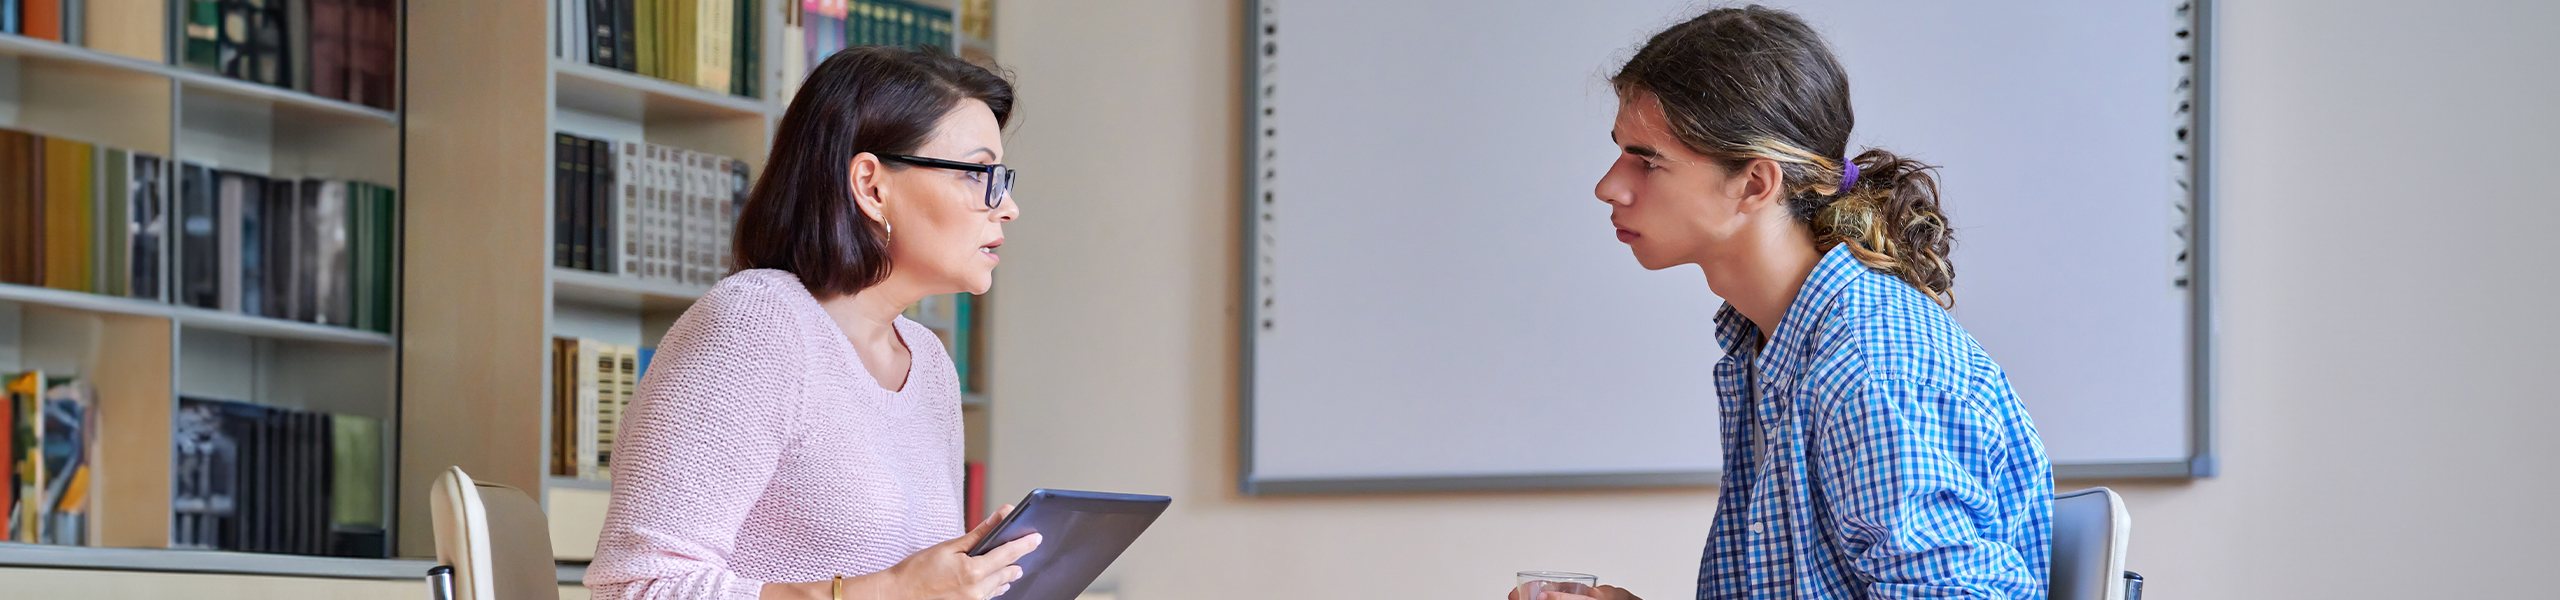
(760, 450)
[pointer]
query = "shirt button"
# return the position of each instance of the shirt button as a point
(1756, 528)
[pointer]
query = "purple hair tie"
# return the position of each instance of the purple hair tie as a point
(1848, 177)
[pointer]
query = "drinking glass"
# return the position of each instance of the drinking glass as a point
(1534, 582)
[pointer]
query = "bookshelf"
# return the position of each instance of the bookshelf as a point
(124, 88)
(484, 298)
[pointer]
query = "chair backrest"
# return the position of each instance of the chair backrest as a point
(2090, 532)
(494, 537)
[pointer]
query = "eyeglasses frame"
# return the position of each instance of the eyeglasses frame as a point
(999, 177)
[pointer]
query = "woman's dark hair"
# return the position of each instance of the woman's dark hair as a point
(1739, 84)
(879, 99)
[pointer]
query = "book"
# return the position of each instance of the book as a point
(67, 435)
(563, 167)
(645, 38)
(624, 42)
(263, 57)
(327, 62)
(21, 209)
(333, 291)
(564, 407)
(581, 211)
(200, 243)
(41, 19)
(973, 493)
(256, 234)
(372, 53)
(106, 238)
(26, 464)
(613, 364)
(69, 204)
(359, 523)
(628, 210)
(146, 225)
(600, 205)
(234, 193)
(203, 31)
(598, 33)
(795, 48)
(285, 247)
(588, 379)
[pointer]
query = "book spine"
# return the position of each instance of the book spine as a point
(600, 205)
(724, 251)
(561, 169)
(232, 196)
(599, 33)
(661, 218)
(387, 259)
(328, 52)
(254, 231)
(293, 247)
(588, 388)
(41, 19)
(107, 232)
(297, 47)
(306, 250)
(564, 403)
(202, 28)
(334, 267)
(623, 42)
(69, 199)
(629, 214)
(361, 250)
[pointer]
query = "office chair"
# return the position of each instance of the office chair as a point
(2090, 533)
(491, 542)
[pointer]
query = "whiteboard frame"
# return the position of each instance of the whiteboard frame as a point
(2201, 461)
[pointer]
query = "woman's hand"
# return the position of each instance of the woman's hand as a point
(1606, 592)
(946, 571)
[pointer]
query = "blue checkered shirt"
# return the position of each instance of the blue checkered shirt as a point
(1872, 450)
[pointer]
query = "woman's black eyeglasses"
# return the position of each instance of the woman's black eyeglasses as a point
(999, 178)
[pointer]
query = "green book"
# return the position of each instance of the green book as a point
(360, 244)
(645, 34)
(204, 34)
(386, 256)
(357, 521)
(112, 237)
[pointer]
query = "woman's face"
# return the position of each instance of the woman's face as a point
(1671, 206)
(941, 233)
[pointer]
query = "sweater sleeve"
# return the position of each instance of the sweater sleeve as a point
(716, 411)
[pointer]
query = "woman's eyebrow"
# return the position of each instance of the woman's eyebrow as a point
(989, 153)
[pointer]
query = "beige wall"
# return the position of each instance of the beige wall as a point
(2387, 328)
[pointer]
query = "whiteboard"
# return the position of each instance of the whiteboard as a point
(1436, 301)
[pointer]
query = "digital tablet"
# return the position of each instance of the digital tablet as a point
(1080, 533)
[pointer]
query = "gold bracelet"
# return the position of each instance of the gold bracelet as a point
(836, 589)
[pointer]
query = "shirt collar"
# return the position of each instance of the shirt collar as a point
(1832, 275)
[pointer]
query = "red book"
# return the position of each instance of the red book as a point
(43, 20)
(329, 48)
(973, 485)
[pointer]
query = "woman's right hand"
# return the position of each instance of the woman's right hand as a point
(946, 571)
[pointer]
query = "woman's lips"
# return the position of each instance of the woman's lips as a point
(1627, 236)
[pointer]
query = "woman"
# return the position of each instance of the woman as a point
(796, 438)
(1871, 448)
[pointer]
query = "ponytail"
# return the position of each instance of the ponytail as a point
(1890, 219)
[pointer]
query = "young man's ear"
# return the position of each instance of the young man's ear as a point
(1762, 184)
